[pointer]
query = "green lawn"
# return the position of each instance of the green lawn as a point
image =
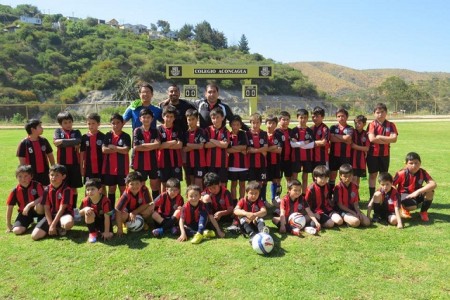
(380, 262)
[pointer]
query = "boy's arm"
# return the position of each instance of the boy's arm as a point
(9, 212)
(344, 208)
(360, 148)
(216, 226)
(313, 217)
(274, 149)
(51, 158)
(139, 210)
(55, 221)
(262, 213)
(107, 234)
(430, 186)
(369, 208)
(237, 148)
(194, 146)
(183, 236)
(148, 146)
(241, 213)
(82, 164)
(219, 144)
(399, 218)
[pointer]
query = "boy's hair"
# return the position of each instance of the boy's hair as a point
(342, 110)
(33, 123)
(213, 86)
(173, 183)
(24, 169)
(302, 112)
(361, 118)
(193, 187)
(385, 176)
(93, 183)
(321, 171)
(64, 115)
(380, 106)
(144, 84)
(253, 185)
(292, 183)
(192, 113)
(256, 116)
(169, 109)
(345, 169)
(318, 111)
(284, 114)
(271, 118)
(412, 156)
(93, 116)
(216, 111)
(116, 116)
(210, 179)
(61, 169)
(133, 176)
(236, 118)
(146, 112)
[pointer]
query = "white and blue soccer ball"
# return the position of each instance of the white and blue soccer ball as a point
(262, 243)
(137, 225)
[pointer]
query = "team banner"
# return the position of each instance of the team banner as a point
(219, 71)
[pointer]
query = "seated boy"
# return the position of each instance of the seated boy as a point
(194, 217)
(134, 201)
(251, 211)
(346, 194)
(318, 199)
(386, 202)
(168, 208)
(409, 182)
(294, 202)
(96, 210)
(27, 195)
(57, 200)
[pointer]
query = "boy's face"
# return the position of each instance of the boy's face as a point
(192, 122)
(413, 165)
(193, 197)
(271, 126)
(146, 94)
(380, 115)
(284, 122)
(134, 186)
(317, 119)
(235, 126)
(92, 191)
(56, 178)
(302, 120)
(146, 120)
(168, 120)
(256, 124)
(346, 178)
(322, 180)
(92, 125)
(217, 120)
(24, 178)
(386, 186)
(359, 125)
(252, 195)
(214, 189)
(67, 124)
(295, 191)
(341, 118)
(38, 130)
(173, 192)
(116, 125)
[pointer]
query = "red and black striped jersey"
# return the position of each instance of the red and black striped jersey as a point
(339, 149)
(217, 157)
(23, 195)
(197, 157)
(320, 154)
(358, 156)
(257, 140)
(390, 200)
(318, 198)
(346, 195)
(35, 154)
(91, 149)
(166, 206)
(116, 163)
(291, 206)
(220, 201)
(250, 206)
(169, 158)
(406, 182)
(385, 129)
(285, 135)
(274, 139)
(129, 201)
(145, 160)
(56, 197)
(302, 135)
(238, 159)
(68, 155)
(191, 214)
(103, 207)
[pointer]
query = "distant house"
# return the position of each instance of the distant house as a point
(31, 20)
(75, 19)
(155, 35)
(11, 28)
(141, 28)
(113, 23)
(172, 35)
(56, 25)
(101, 21)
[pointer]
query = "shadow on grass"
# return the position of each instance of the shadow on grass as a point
(433, 216)
(277, 251)
(134, 240)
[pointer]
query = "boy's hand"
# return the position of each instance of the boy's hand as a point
(132, 217)
(218, 215)
(52, 230)
(119, 230)
(89, 211)
(182, 238)
(9, 228)
(220, 233)
(107, 235)
(318, 227)
(399, 225)
(26, 210)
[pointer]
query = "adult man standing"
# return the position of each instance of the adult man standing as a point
(180, 105)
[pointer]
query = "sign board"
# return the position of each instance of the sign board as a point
(190, 91)
(249, 91)
(219, 71)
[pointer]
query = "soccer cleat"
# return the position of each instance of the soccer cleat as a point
(157, 232)
(198, 237)
(310, 230)
(424, 216)
(405, 213)
(233, 229)
(276, 201)
(376, 219)
(209, 234)
(175, 230)
(92, 237)
(265, 229)
(61, 231)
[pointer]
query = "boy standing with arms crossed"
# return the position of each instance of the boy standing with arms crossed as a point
(237, 158)
(91, 155)
(273, 157)
(321, 138)
(285, 133)
(360, 146)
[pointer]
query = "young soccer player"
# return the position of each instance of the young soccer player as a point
(194, 217)
(116, 162)
(360, 146)
(302, 142)
(386, 202)
(194, 147)
(382, 134)
(97, 211)
(27, 195)
(134, 201)
(170, 162)
(146, 144)
(341, 144)
(321, 138)
(318, 197)
(251, 211)
(168, 208)
(285, 133)
(68, 141)
(346, 194)
(36, 151)
(216, 147)
(91, 155)
(274, 149)
(257, 150)
(58, 205)
(237, 160)
(410, 184)
(291, 203)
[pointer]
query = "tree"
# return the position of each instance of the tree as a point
(126, 90)
(186, 32)
(205, 34)
(153, 27)
(394, 89)
(164, 25)
(243, 44)
(27, 10)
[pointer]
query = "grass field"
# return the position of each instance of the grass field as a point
(380, 262)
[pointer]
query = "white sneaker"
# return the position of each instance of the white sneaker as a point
(310, 230)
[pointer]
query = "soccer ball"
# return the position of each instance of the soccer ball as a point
(262, 243)
(297, 220)
(137, 225)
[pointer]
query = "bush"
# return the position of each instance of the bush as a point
(17, 119)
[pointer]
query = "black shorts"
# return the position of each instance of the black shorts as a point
(73, 177)
(238, 176)
(99, 223)
(197, 172)
(273, 172)
(42, 178)
(286, 168)
(336, 162)
(377, 164)
(152, 174)
(413, 201)
(222, 172)
(323, 218)
(25, 221)
(258, 174)
(170, 172)
(319, 163)
(360, 172)
(112, 180)
(43, 224)
(298, 166)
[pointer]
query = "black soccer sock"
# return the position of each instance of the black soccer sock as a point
(75, 200)
(167, 223)
(426, 205)
(112, 199)
(155, 194)
(91, 227)
(263, 192)
(377, 210)
(371, 192)
(279, 189)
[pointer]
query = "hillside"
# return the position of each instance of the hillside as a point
(338, 80)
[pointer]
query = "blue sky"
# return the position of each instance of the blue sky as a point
(406, 34)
